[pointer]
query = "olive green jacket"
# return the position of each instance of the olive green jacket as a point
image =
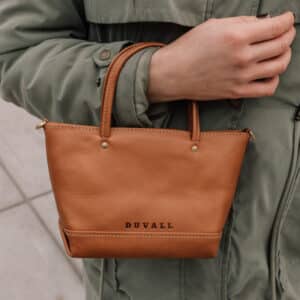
(53, 57)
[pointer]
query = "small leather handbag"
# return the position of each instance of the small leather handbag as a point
(142, 192)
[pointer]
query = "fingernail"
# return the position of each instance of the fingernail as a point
(264, 15)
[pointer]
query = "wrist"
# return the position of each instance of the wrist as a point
(161, 78)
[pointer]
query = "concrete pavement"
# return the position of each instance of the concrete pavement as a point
(33, 265)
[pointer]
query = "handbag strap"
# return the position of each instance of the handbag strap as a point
(109, 89)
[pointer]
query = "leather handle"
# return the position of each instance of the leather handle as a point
(194, 120)
(109, 89)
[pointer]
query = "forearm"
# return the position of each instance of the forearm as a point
(48, 67)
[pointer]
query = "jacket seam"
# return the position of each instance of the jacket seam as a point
(186, 19)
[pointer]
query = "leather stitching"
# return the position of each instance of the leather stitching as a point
(150, 235)
(151, 130)
(141, 236)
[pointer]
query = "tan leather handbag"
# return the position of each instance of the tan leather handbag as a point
(142, 192)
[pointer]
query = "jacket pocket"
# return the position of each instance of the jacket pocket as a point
(101, 281)
(188, 12)
(288, 272)
(148, 279)
(289, 255)
(285, 262)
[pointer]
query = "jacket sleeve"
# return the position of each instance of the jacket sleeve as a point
(48, 67)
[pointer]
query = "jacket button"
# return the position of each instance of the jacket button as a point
(105, 54)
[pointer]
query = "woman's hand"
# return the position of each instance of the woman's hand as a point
(227, 58)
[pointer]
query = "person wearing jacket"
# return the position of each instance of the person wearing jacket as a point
(243, 70)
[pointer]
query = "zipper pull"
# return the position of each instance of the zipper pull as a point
(42, 124)
(297, 114)
(251, 133)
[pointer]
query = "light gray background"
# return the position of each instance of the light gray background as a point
(33, 265)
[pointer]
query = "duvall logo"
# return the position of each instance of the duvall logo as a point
(149, 225)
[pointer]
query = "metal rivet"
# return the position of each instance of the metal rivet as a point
(104, 145)
(42, 124)
(251, 133)
(105, 54)
(195, 148)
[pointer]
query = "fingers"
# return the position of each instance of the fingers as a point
(262, 88)
(271, 68)
(270, 49)
(268, 28)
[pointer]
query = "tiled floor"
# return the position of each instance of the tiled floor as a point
(33, 265)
